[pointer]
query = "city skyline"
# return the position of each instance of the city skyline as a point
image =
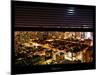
(53, 47)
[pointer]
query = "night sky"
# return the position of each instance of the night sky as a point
(53, 16)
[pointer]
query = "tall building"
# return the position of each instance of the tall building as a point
(78, 35)
(83, 35)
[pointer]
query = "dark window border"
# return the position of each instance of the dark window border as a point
(49, 68)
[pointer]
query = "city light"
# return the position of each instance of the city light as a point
(53, 48)
(71, 11)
